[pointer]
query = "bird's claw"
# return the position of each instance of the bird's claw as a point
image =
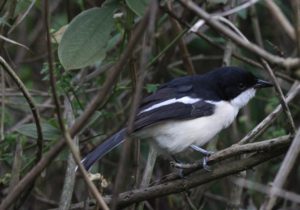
(205, 165)
(178, 166)
(173, 164)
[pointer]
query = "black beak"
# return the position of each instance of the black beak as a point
(262, 84)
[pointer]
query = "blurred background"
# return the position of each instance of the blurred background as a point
(81, 70)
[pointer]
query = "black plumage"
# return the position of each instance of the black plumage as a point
(175, 111)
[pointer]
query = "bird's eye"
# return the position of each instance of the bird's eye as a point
(242, 86)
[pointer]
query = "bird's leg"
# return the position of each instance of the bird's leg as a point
(202, 151)
(206, 154)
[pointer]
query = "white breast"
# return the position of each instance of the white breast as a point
(178, 135)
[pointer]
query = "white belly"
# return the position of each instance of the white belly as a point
(177, 135)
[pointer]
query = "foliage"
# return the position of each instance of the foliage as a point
(90, 38)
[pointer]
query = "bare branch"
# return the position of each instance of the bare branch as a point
(199, 178)
(281, 19)
(81, 121)
(31, 103)
(264, 124)
(285, 62)
(285, 169)
(66, 133)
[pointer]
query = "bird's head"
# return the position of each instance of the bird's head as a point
(238, 86)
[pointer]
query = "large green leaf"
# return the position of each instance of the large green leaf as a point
(85, 40)
(49, 132)
(138, 6)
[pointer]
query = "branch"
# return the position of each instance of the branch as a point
(235, 150)
(281, 97)
(281, 19)
(201, 177)
(197, 179)
(210, 41)
(31, 103)
(285, 169)
(70, 176)
(258, 37)
(285, 62)
(264, 124)
(145, 54)
(183, 50)
(80, 122)
(66, 133)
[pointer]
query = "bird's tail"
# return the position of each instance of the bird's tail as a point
(104, 148)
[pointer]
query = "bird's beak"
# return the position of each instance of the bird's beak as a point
(262, 84)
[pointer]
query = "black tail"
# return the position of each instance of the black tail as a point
(104, 148)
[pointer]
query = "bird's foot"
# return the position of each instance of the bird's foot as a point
(180, 167)
(204, 163)
(206, 154)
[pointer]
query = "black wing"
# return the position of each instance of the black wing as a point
(176, 88)
(175, 111)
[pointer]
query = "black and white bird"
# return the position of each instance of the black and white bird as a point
(188, 112)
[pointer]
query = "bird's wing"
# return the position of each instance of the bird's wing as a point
(174, 89)
(173, 111)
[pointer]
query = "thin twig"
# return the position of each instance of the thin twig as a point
(185, 55)
(254, 186)
(145, 55)
(17, 165)
(238, 8)
(13, 42)
(281, 19)
(265, 123)
(265, 64)
(80, 122)
(284, 171)
(189, 201)
(294, 150)
(281, 97)
(235, 192)
(285, 62)
(210, 41)
(20, 19)
(296, 8)
(31, 103)
(3, 94)
(63, 128)
(70, 177)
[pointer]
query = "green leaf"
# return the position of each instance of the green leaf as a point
(138, 6)
(150, 88)
(49, 132)
(86, 38)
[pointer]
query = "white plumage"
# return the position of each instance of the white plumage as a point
(178, 135)
(184, 100)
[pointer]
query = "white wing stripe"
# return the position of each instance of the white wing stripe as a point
(184, 100)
